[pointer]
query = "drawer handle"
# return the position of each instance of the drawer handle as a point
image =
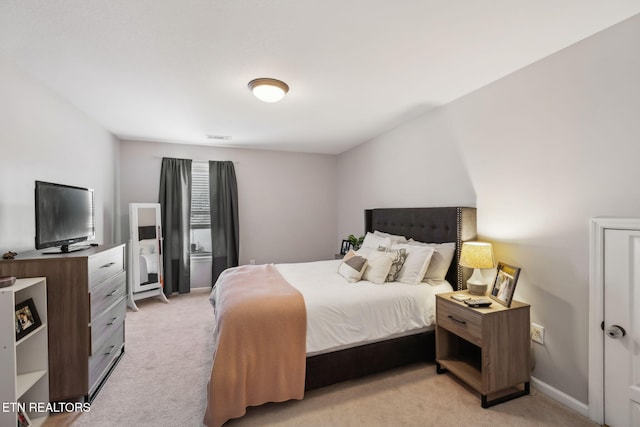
(462, 322)
(113, 320)
(110, 294)
(110, 350)
(108, 265)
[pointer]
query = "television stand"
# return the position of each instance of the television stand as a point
(65, 249)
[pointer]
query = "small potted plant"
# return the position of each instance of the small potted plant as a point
(356, 242)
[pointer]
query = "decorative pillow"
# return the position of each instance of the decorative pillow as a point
(441, 260)
(393, 237)
(416, 264)
(352, 266)
(147, 246)
(378, 266)
(399, 256)
(373, 241)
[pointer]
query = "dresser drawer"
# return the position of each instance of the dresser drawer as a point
(106, 293)
(107, 323)
(104, 265)
(105, 356)
(462, 321)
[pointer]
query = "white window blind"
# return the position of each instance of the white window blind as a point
(200, 195)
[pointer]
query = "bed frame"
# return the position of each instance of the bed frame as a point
(436, 225)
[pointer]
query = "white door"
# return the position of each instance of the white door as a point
(622, 328)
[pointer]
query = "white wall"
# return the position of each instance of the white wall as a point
(44, 137)
(415, 165)
(546, 149)
(287, 201)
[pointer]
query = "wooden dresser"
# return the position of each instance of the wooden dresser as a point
(86, 298)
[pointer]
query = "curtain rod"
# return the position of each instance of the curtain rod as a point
(195, 160)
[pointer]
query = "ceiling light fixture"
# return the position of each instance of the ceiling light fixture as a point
(268, 90)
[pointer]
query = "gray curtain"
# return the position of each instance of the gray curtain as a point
(175, 207)
(223, 198)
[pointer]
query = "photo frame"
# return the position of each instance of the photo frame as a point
(344, 248)
(26, 318)
(23, 418)
(504, 285)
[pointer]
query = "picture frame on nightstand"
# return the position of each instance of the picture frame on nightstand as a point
(504, 285)
(344, 248)
(27, 318)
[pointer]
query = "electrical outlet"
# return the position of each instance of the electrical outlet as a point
(537, 333)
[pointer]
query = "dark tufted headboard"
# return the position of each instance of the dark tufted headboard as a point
(430, 225)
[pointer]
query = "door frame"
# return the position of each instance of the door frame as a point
(596, 308)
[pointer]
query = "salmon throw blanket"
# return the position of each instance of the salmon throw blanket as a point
(260, 340)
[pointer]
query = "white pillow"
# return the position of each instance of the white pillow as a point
(365, 252)
(416, 264)
(352, 267)
(147, 246)
(378, 266)
(441, 260)
(393, 237)
(373, 241)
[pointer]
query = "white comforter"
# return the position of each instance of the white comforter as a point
(341, 314)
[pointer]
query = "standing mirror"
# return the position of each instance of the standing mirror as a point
(145, 253)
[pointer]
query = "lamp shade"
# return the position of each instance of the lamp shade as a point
(477, 255)
(268, 90)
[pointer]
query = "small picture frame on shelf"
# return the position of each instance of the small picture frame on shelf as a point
(504, 284)
(27, 318)
(23, 418)
(346, 245)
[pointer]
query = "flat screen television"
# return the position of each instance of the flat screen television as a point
(64, 215)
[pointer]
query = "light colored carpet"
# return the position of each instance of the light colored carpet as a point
(161, 382)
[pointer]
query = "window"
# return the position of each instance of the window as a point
(200, 217)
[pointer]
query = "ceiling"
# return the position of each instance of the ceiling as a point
(177, 70)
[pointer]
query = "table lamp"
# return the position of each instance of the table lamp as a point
(477, 255)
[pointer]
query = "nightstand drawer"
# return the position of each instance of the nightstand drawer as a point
(462, 321)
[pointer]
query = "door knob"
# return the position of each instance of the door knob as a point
(616, 331)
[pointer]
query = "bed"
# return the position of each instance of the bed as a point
(370, 349)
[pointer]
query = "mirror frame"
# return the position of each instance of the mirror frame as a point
(135, 246)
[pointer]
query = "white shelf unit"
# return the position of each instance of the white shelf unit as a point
(24, 372)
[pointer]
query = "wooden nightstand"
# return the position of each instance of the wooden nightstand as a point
(487, 348)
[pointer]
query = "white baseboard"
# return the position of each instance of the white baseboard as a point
(563, 398)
